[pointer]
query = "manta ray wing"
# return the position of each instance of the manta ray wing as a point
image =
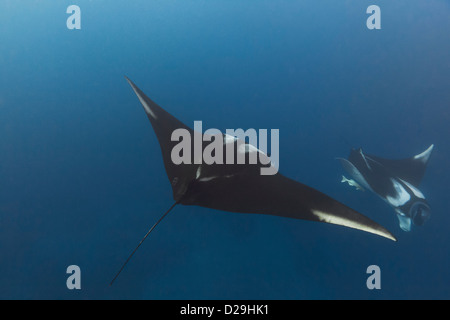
(411, 169)
(164, 124)
(280, 196)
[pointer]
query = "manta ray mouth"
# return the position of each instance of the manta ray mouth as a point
(419, 212)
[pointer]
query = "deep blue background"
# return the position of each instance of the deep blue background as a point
(82, 179)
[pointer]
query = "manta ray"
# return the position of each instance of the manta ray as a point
(241, 188)
(394, 181)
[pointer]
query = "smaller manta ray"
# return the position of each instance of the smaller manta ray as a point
(395, 181)
(352, 183)
(241, 188)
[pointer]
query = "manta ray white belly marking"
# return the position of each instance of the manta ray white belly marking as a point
(207, 179)
(416, 191)
(402, 196)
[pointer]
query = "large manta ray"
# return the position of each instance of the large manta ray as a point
(241, 187)
(395, 181)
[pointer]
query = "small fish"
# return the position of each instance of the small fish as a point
(352, 183)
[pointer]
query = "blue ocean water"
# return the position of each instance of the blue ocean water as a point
(81, 174)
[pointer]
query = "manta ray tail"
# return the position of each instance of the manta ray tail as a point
(143, 239)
